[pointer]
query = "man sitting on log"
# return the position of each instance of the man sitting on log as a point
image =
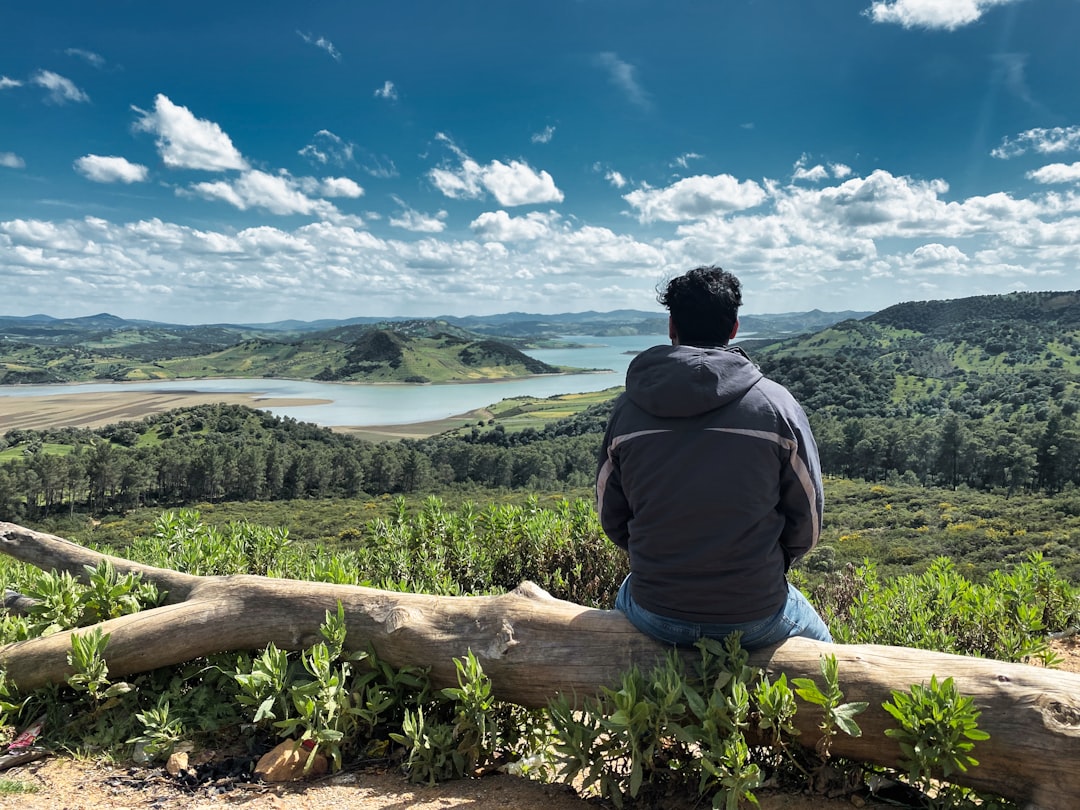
(709, 478)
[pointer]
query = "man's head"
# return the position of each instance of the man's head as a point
(704, 306)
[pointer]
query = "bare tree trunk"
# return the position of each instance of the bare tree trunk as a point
(534, 647)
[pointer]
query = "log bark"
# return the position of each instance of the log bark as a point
(534, 647)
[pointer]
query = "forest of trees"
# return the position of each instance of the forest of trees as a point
(226, 452)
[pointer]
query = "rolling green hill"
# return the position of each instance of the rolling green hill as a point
(980, 356)
(411, 352)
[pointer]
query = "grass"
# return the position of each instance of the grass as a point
(16, 452)
(519, 413)
(13, 787)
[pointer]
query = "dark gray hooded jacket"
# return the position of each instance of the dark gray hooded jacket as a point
(709, 478)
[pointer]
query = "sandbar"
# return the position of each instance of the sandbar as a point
(94, 410)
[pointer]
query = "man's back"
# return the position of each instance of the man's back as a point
(709, 478)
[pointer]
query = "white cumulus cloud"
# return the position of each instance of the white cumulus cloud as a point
(499, 226)
(814, 174)
(340, 187)
(10, 160)
(943, 14)
(517, 183)
(187, 142)
(387, 91)
(462, 183)
(1056, 173)
(61, 90)
(1044, 141)
(936, 255)
(6, 82)
(410, 219)
(276, 193)
(512, 183)
(695, 198)
(102, 169)
(615, 178)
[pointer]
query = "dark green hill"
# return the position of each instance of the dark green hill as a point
(968, 314)
(409, 351)
(428, 355)
(980, 356)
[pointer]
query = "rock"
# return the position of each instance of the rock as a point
(177, 763)
(286, 761)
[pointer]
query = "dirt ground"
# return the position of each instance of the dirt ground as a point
(61, 783)
(64, 784)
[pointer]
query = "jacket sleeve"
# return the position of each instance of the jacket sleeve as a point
(801, 494)
(611, 503)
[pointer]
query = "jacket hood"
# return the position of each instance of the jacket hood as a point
(683, 381)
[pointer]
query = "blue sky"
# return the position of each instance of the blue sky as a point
(240, 161)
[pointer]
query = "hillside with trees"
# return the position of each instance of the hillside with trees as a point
(403, 352)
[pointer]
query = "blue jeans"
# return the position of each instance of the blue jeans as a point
(796, 618)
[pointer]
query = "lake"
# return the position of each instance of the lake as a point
(373, 405)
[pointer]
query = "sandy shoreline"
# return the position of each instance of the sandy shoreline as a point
(94, 410)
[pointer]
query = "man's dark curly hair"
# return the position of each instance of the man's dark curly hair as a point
(704, 305)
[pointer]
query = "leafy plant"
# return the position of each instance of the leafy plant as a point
(937, 732)
(57, 602)
(335, 698)
(431, 754)
(88, 660)
(465, 730)
(835, 715)
(162, 730)
(473, 708)
(674, 730)
(263, 684)
(109, 595)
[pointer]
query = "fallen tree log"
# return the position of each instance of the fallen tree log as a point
(534, 647)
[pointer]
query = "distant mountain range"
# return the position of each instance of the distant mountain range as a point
(924, 349)
(507, 325)
(43, 349)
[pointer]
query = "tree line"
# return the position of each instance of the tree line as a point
(222, 452)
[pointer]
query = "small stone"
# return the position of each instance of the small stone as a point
(286, 761)
(177, 762)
